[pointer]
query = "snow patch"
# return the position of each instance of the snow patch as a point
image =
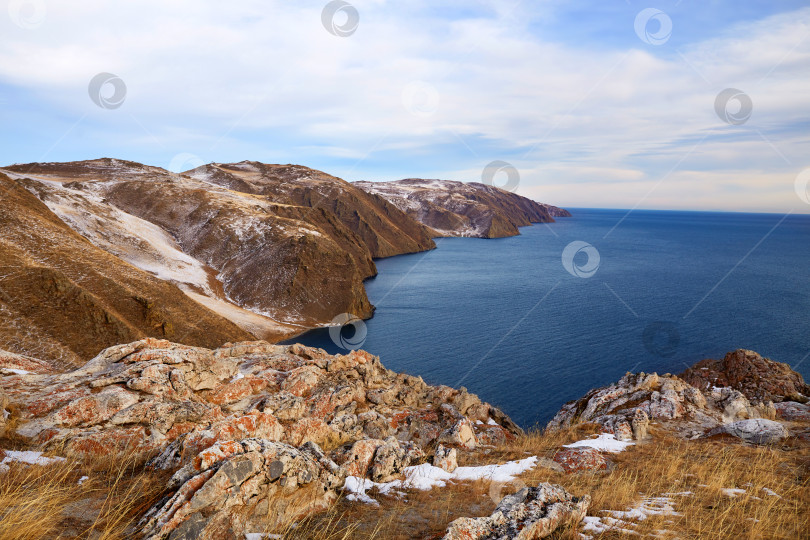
(425, 477)
(30, 457)
(605, 442)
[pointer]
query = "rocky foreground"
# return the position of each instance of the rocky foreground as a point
(256, 436)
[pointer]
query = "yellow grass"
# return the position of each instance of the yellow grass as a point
(663, 465)
(39, 502)
(48, 501)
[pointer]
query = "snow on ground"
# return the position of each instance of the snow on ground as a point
(137, 241)
(15, 371)
(624, 521)
(426, 477)
(733, 492)
(605, 442)
(27, 456)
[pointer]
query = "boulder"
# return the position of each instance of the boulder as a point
(758, 379)
(790, 410)
(254, 485)
(393, 456)
(445, 458)
(581, 459)
(532, 512)
(755, 431)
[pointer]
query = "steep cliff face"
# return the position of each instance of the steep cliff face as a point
(64, 299)
(459, 209)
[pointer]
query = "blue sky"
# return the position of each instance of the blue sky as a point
(568, 92)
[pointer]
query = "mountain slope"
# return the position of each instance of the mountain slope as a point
(64, 299)
(381, 226)
(464, 209)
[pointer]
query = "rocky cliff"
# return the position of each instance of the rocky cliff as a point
(464, 209)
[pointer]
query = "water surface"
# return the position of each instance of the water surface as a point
(505, 319)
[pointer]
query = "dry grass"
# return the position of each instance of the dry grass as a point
(661, 466)
(48, 501)
(37, 502)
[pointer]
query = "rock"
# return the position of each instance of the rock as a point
(195, 411)
(393, 456)
(445, 458)
(528, 514)
(626, 408)
(790, 410)
(4, 414)
(356, 458)
(756, 431)
(460, 434)
(581, 459)
(758, 379)
(223, 490)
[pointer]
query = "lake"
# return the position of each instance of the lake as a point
(532, 321)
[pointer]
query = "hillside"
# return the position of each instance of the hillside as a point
(464, 209)
(63, 299)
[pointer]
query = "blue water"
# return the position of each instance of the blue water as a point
(505, 318)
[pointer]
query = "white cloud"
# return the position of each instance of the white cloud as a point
(200, 75)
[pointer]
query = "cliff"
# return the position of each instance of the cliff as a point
(459, 209)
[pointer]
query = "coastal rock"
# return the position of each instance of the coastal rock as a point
(392, 457)
(758, 379)
(532, 512)
(755, 431)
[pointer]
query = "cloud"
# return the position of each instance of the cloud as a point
(228, 82)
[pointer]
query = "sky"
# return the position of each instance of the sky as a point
(611, 104)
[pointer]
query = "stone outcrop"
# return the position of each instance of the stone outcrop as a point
(532, 512)
(581, 459)
(755, 431)
(627, 407)
(759, 379)
(464, 209)
(242, 487)
(243, 425)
